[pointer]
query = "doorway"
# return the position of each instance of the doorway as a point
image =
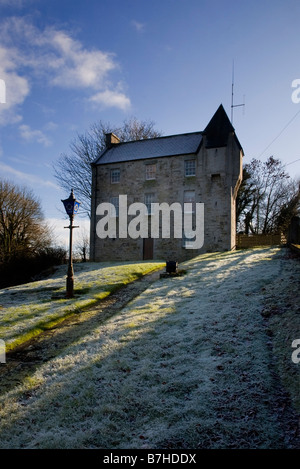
(147, 248)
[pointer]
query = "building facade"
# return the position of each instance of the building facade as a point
(200, 168)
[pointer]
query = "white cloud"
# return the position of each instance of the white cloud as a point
(76, 67)
(16, 86)
(57, 59)
(140, 27)
(12, 3)
(34, 135)
(109, 98)
(51, 126)
(61, 234)
(25, 177)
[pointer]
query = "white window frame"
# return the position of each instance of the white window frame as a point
(150, 171)
(190, 168)
(115, 202)
(188, 242)
(147, 202)
(191, 200)
(113, 173)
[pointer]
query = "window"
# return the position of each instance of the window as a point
(149, 199)
(189, 198)
(114, 176)
(190, 168)
(115, 202)
(150, 171)
(188, 240)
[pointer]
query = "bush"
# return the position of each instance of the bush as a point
(27, 267)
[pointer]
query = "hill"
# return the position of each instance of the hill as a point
(198, 361)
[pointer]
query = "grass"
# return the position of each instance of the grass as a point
(28, 310)
(282, 316)
(192, 362)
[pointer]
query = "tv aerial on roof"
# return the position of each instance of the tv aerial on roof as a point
(234, 105)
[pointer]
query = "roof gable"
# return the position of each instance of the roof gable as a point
(218, 129)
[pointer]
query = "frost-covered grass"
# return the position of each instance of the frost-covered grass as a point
(186, 364)
(27, 310)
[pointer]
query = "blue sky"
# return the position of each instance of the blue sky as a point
(68, 64)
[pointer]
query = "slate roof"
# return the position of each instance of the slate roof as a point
(216, 135)
(183, 144)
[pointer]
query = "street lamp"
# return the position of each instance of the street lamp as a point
(71, 206)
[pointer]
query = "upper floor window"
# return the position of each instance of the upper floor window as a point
(115, 209)
(115, 176)
(190, 168)
(149, 199)
(151, 171)
(189, 198)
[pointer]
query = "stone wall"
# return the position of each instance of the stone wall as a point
(249, 241)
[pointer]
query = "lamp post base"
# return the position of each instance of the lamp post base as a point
(70, 287)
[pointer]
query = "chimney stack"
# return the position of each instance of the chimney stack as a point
(111, 139)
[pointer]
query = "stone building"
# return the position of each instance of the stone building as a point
(201, 169)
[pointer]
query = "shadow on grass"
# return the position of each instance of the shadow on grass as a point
(26, 358)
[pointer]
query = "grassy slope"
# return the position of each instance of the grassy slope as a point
(187, 364)
(27, 310)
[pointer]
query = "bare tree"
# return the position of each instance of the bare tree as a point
(82, 246)
(288, 210)
(21, 222)
(267, 196)
(74, 170)
(243, 201)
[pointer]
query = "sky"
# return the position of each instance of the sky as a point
(67, 64)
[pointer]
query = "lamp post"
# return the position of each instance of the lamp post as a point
(71, 206)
